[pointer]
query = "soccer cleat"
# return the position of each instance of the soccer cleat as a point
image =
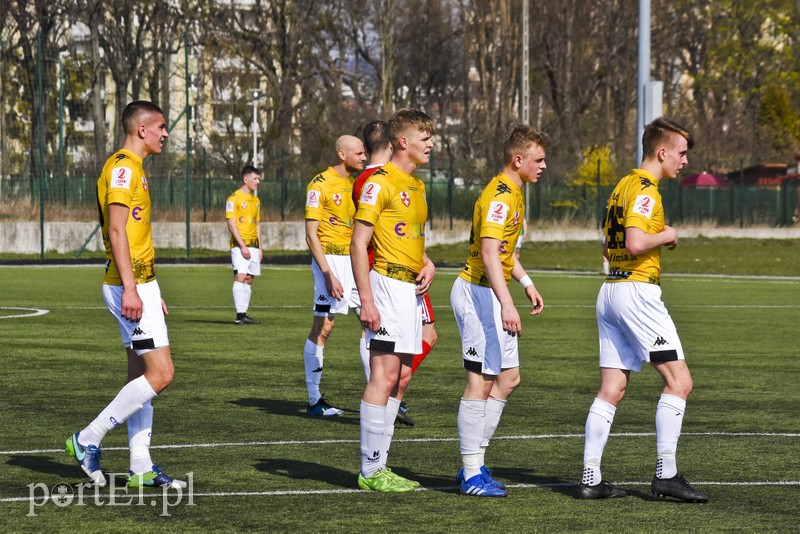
(154, 479)
(678, 488)
(404, 407)
(244, 319)
(602, 490)
(391, 474)
(481, 485)
(385, 481)
(88, 458)
(323, 408)
(403, 418)
(486, 472)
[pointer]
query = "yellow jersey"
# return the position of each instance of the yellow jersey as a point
(635, 202)
(245, 208)
(329, 200)
(394, 203)
(498, 214)
(122, 181)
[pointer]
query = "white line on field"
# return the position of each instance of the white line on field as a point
(408, 440)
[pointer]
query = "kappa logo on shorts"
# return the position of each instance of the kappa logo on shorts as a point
(382, 332)
(322, 298)
(138, 332)
(660, 341)
(472, 352)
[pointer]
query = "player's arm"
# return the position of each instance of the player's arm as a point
(425, 276)
(362, 235)
(121, 252)
(490, 252)
(332, 284)
(237, 238)
(637, 241)
(260, 244)
(519, 274)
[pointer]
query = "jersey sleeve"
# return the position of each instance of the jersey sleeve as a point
(230, 208)
(641, 207)
(494, 217)
(375, 195)
(121, 185)
(314, 201)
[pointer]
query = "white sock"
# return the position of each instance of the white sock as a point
(372, 420)
(669, 418)
(140, 428)
(471, 422)
(598, 427)
(363, 351)
(241, 296)
(312, 358)
(392, 405)
(129, 400)
(494, 410)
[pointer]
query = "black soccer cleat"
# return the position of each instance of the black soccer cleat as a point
(603, 490)
(678, 488)
(242, 318)
(403, 418)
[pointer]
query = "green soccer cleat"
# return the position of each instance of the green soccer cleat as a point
(402, 480)
(384, 481)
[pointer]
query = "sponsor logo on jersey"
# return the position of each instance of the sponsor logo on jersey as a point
(229, 206)
(405, 199)
(497, 213)
(144, 183)
(121, 177)
(412, 231)
(644, 205)
(369, 195)
(312, 200)
(503, 244)
(136, 213)
(516, 218)
(337, 199)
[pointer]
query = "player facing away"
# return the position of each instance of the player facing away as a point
(242, 214)
(392, 213)
(329, 227)
(379, 148)
(633, 323)
(487, 319)
(132, 295)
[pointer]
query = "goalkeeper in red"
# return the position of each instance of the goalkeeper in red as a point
(633, 323)
(487, 319)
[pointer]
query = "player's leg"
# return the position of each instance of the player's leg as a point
(313, 361)
(429, 335)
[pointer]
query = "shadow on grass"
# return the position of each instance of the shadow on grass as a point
(46, 465)
(296, 409)
(299, 470)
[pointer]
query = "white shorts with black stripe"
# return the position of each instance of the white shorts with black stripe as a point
(242, 265)
(150, 332)
(342, 269)
(401, 316)
(485, 347)
(635, 326)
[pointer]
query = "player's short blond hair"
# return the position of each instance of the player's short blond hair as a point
(407, 119)
(661, 131)
(520, 139)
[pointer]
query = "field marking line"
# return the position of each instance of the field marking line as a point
(412, 440)
(345, 491)
(36, 312)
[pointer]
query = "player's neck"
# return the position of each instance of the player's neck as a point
(653, 167)
(513, 176)
(405, 163)
(341, 170)
(133, 146)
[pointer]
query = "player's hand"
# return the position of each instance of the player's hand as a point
(334, 286)
(672, 235)
(245, 252)
(164, 307)
(511, 321)
(536, 300)
(425, 278)
(131, 305)
(370, 317)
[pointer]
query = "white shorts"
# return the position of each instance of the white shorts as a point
(324, 303)
(150, 333)
(634, 326)
(485, 346)
(242, 265)
(401, 316)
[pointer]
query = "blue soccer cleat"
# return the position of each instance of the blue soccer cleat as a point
(154, 478)
(484, 471)
(481, 486)
(322, 408)
(88, 458)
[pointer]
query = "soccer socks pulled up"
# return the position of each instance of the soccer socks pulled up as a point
(598, 428)
(372, 426)
(426, 349)
(128, 401)
(363, 351)
(471, 423)
(669, 419)
(312, 358)
(241, 296)
(140, 427)
(389, 415)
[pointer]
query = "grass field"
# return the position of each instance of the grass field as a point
(234, 416)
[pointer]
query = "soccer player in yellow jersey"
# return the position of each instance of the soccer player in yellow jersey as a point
(633, 323)
(487, 319)
(391, 213)
(329, 226)
(243, 213)
(133, 297)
